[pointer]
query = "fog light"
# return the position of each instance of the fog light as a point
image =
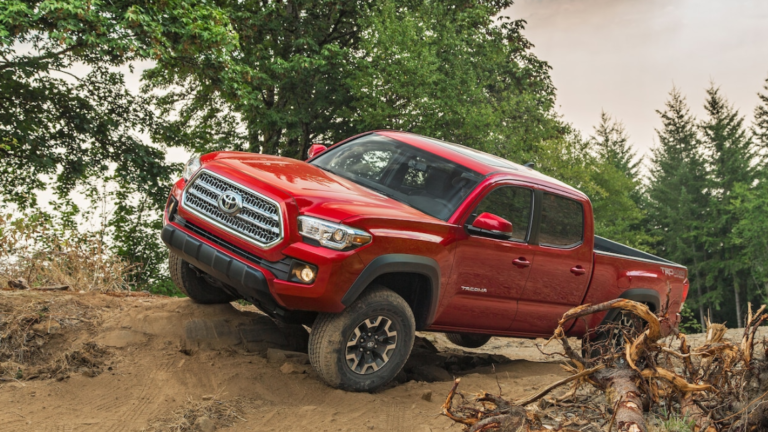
(306, 274)
(302, 272)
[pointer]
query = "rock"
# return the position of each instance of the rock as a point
(430, 373)
(427, 395)
(500, 359)
(46, 327)
(293, 368)
(205, 424)
(276, 356)
(19, 283)
(282, 356)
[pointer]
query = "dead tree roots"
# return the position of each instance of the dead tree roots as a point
(644, 372)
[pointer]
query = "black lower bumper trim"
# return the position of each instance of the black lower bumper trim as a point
(247, 281)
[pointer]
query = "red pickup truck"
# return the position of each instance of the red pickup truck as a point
(387, 233)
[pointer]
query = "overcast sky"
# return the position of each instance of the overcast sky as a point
(624, 56)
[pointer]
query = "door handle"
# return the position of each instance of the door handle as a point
(521, 262)
(578, 270)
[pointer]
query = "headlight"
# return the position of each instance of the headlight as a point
(332, 235)
(193, 164)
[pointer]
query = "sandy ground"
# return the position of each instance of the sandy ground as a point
(167, 361)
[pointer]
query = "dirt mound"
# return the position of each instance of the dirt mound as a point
(38, 336)
(154, 363)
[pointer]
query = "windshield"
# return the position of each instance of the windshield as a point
(426, 182)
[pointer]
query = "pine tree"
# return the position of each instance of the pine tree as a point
(760, 125)
(616, 194)
(730, 154)
(751, 206)
(677, 201)
(611, 144)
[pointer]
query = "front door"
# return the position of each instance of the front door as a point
(560, 276)
(489, 273)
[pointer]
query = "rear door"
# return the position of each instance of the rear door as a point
(489, 274)
(563, 264)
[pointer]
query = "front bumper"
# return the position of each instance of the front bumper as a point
(248, 281)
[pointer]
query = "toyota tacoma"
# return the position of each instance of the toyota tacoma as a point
(388, 233)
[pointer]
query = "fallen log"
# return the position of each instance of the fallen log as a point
(53, 288)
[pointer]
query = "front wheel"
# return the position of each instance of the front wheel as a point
(194, 285)
(468, 340)
(366, 345)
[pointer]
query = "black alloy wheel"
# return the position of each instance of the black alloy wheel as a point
(370, 345)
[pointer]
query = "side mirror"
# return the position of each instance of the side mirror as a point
(315, 149)
(490, 225)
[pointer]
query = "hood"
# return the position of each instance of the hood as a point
(315, 191)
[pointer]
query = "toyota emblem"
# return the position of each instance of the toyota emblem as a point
(230, 203)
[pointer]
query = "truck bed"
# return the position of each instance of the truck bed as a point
(621, 272)
(610, 247)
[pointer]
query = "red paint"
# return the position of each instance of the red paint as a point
(315, 149)
(491, 222)
(487, 285)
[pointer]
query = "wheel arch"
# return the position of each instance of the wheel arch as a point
(647, 296)
(414, 277)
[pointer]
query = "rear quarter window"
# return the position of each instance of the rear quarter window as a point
(562, 222)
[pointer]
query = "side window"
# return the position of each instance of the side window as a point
(512, 204)
(562, 222)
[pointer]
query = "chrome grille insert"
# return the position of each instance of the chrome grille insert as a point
(259, 219)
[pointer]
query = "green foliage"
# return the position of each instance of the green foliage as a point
(611, 144)
(164, 286)
(731, 155)
(706, 204)
(308, 70)
(66, 132)
(688, 322)
(446, 70)
(677, 203)
(760, 124)
(678, 424)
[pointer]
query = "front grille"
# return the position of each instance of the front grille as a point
(258, 221)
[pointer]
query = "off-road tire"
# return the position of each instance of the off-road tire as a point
(603, 337)
(467, 340)
(331, 332)
(194, 286)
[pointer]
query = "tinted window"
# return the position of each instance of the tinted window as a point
(426, 182)
(562, 221)
(512, 204)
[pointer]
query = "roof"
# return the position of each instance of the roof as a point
(484, 163)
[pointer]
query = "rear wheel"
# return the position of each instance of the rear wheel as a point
(468, 340)
(366, 345)
(194, 285)
(610, 337)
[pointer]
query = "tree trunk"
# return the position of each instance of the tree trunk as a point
(738, 301)
(624, 397)
(305, 142)
(698, 288)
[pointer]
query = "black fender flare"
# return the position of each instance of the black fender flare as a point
(399, 263)
(641, 295)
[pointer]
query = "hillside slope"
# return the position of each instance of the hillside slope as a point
(93, 362)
